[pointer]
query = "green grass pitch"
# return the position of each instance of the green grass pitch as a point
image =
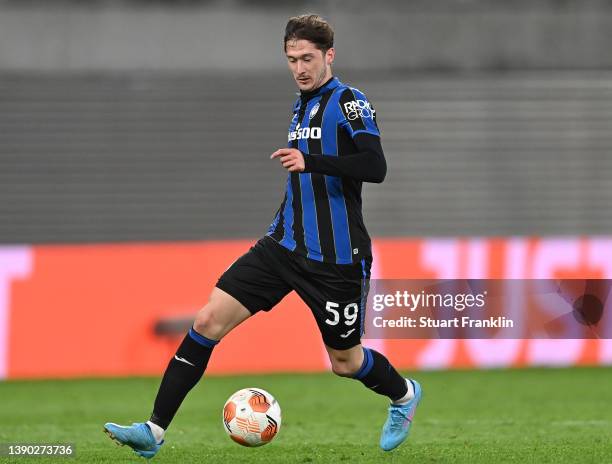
(496, 416)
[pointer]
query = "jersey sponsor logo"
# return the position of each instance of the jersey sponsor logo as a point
(304, 133)
(313, 111)
(357, 108)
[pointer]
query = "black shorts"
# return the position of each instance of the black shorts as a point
(335, 293)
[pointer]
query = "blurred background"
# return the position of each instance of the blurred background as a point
(134, 145)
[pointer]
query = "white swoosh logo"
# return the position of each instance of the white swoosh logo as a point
(183, 360)
(347, 334)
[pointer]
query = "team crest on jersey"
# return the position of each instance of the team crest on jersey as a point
(313, 111)
(357, 108)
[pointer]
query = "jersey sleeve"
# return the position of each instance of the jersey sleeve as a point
(357, 115)
(367, 165)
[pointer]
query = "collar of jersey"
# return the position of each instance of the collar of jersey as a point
(331, 84)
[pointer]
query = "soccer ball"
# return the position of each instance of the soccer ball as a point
(252, 417)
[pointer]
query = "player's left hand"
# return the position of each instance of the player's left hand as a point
(292, 159)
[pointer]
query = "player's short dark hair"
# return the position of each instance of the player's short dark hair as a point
(312, 28)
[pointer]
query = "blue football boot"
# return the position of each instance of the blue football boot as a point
(397, 427)
(138, 436)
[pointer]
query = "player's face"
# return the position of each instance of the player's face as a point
(310, 66)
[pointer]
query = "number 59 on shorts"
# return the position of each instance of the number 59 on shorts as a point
(348, 315)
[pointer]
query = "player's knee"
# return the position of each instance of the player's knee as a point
(207, 324)
(344, 367)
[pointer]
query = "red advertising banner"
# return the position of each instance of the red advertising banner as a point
(92, 310)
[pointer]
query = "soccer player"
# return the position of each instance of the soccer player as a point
(317, 245)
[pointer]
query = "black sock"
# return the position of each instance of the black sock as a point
(184, 370)
(381, 377)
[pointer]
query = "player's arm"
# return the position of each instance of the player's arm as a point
(358, 118)
(367, 165)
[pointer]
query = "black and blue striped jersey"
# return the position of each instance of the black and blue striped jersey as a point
(320, 216)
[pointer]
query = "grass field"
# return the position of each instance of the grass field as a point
(535, 415)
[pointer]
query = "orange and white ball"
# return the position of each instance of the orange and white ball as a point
(251, 417)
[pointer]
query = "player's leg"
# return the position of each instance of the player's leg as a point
(252, 283)
(218, 317)
(375, 371)
(336, 295)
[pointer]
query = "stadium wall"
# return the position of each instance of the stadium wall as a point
(151, 157)
(467, 35)
(90, 310)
